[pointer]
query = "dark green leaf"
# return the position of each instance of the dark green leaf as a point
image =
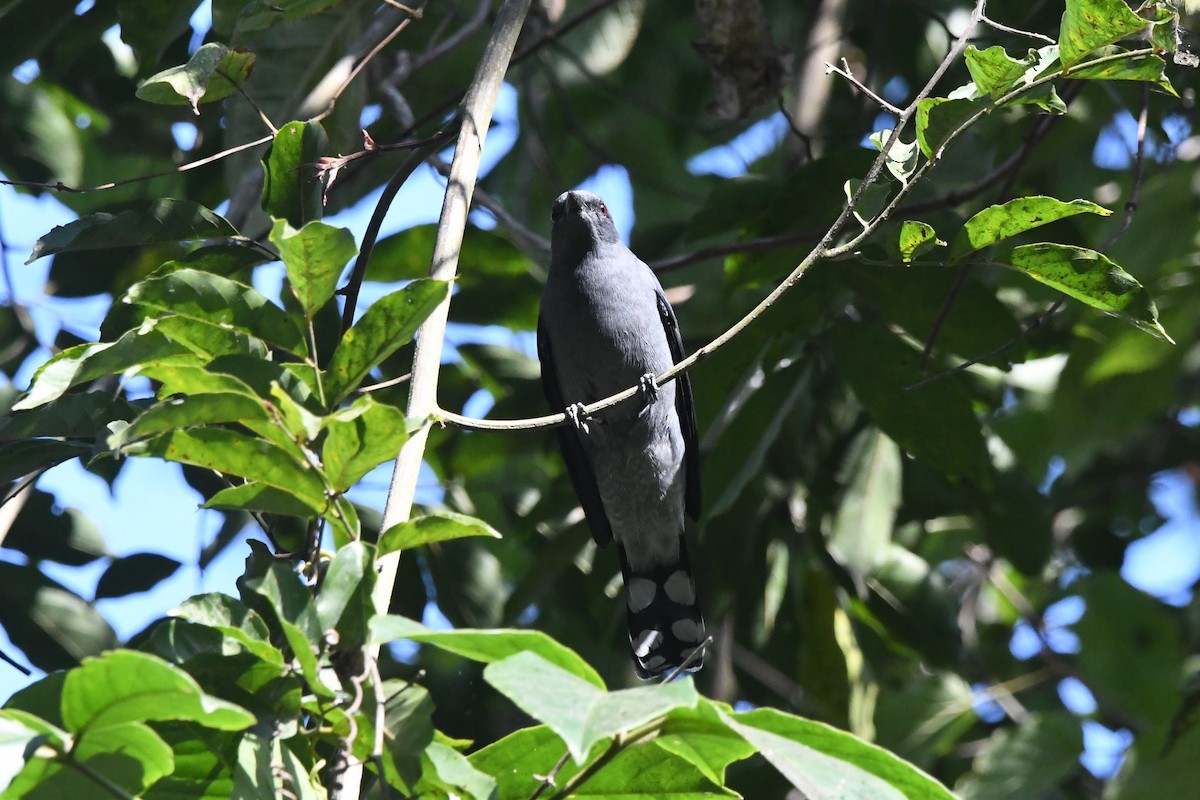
(177, 413)
(167, 220)
(135, 573)
(345, 603)
(52, 626)
(41, 531)
(935, 423)
(212, 73)
(1037, 755)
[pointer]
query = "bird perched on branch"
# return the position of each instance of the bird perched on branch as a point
(605, 325)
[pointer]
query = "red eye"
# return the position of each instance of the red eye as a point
(604, 209)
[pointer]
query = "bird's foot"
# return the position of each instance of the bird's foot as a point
(648, 388)
(578, 416)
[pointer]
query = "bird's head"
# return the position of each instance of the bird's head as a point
(580, 221)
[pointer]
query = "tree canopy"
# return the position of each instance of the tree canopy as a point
(934, 263)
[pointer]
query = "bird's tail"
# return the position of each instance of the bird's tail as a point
(665, 624)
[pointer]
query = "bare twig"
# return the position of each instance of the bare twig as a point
(414, 160)
(1139, 170)
(366, 59)
(844, 71)
(694, 656)
(1038, 322)
(547, 780)
(528, 240)
(1041, 37)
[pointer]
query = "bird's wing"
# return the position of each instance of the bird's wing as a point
(686, 410)
(578, 466)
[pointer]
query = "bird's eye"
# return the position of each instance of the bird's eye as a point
(604, 209)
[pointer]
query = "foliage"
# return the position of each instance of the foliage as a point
(911, 456)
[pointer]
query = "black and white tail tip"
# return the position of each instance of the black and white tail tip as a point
(665, 624)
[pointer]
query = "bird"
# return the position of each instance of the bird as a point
(604, 325)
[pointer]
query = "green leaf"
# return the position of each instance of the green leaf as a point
(345, 603)
(993, 70)
(824, 762)
(233, 619)
(453, 770)
(432, 528)
(212, 73)
(255, 496)
(862, 527)
(214, 300)
(999, 222)
(235, 453)
(259, 15)
(938, 118)
(1120, 620)
(359, 439)
(177, 413)
(86, 362)
(1089, 24)
(935, 423)
(314, 257)
(1148, 68)
(387, 325)
(576, 710)
(134, 573)
(699, 736)
(1090, 277)
(916, 237)
(275, 591)
(486, 645)
(15, 738)
(51, 625)
(292, 186)
(43, 531)
(629, 773)
(124, 686)
(18, 459)
(166, 220)
(1036, 755)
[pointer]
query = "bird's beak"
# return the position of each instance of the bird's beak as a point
(571, 205)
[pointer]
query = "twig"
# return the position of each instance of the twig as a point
(371, 235)
(1054, 308)
(1041, 37)
(845, 72)
(374, 51)
(824, 249)
(693, 657)
(960, 281)
(530, 241)
(1139, 170)
(59, 186)
(271, 126)
(547, 780)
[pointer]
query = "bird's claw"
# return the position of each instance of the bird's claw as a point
(578, 416)
(648, 387)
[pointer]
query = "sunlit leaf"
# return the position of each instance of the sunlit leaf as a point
(212, 73)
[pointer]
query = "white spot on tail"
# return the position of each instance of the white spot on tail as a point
(686, 630)
(653, 662)
(680, 588)
(641, 593)
(646, 642)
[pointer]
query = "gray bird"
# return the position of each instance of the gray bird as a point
(605, 325)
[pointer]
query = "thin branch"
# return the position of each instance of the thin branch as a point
(824, 249)
(694, 656)
(844, 71)
(1139, 170)
(759, 245)
(271, 126)
(1041, 37)
(374, 51)
(527, 239)
(59, 186)
(547, 780)
(1038, 322)
(371, 235)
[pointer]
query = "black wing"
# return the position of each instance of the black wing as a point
(686, 410)
(578, 466)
